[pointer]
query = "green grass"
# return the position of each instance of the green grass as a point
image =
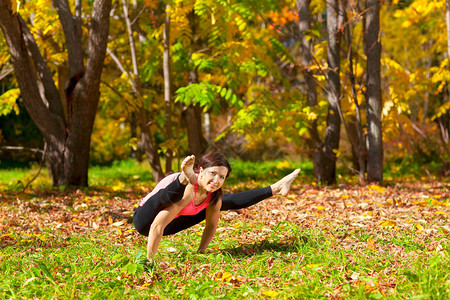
(130, 173)
(305, 266)
(57, 244)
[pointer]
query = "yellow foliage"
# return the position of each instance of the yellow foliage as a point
(8, 101)
(15, 6)
(284, 165)
(317, 6)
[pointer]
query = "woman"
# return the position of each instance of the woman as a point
(184, 199)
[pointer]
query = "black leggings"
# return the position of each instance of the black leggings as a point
(144, 215)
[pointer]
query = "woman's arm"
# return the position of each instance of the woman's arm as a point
(212, 219)
(163, 218)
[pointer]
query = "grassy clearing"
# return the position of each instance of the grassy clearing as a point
(346, 242)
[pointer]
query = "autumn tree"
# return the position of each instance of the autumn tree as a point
(372, 44)
(417, 74)
(226, 52)
(307, 61)
(64, 117)
(324, 150)
(132, 79)
(326, 170)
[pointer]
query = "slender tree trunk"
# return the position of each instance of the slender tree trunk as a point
(444, 120)
(150, 149)
(354, 128)
(66, 129)
(314, 142)
(327, 172)
(192, 115)
(372, 45)
(192, 118)
(167, 91)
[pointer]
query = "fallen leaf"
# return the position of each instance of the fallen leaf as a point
(418, 227)
(388, 223)
(271, 294)
(377, 188)
(437, 202)
(270, 262)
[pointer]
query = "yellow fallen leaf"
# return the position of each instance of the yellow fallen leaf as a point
(367, 215)
(226, 277)
(388, 223)
(377, 188)
(370, 241)
(41, 237)
(271, 294)
(371, 247)
(440, 213)
(320, 207)
(387, 203)
(310, 266)
(418, 227)
(421, 203)
(436, 202)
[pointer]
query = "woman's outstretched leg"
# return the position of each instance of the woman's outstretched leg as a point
(249, 198)
(236, 201)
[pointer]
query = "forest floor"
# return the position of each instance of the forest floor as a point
(345, 241)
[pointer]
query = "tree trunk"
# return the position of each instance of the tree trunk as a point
(444, 120)
(327, 171)
(67, 132)
(167, 91)
(148, 143)
(314, 142)
(354, 127)
(150, 151)
(192, 116)
(372, 49)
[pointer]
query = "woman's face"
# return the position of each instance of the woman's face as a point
(211, 179)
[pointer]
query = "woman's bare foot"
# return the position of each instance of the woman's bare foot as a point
(187, 171)
(283, 186)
